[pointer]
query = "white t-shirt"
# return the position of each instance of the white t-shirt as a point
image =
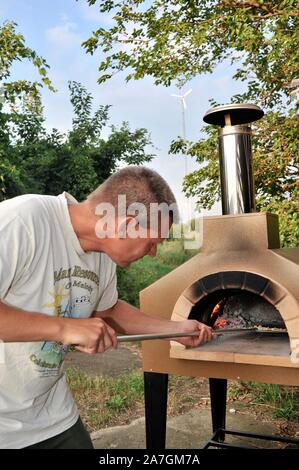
(44, 269)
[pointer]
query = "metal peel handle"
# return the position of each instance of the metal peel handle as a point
(125, 338)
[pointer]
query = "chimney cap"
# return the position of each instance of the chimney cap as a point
(233, 114)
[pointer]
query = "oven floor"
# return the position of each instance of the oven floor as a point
(247, 347)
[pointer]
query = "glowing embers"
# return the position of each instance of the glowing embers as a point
(243, 310)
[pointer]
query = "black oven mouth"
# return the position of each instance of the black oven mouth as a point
(236, 308)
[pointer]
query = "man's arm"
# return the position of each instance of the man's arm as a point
(18, 325)
(126, 319)
(91, 335)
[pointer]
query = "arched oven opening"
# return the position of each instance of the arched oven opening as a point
(248, 314)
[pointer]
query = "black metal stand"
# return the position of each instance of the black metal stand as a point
(215, 441)
(218, 394)
(155, 399)
(155, 396)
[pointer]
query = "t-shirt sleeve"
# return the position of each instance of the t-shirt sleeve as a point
(109, 294)
(15, 253)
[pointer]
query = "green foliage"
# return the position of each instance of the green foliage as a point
(129, 384)
(74, 170)
(87, 127)
(288, 214)
(203, 182)
(20, 92)
(137, 277)
(20, 106)
(176, 40)
(116, 403)
(103, 400)
(147, 270)
(35, 161)
(10, 179)
(109, 401)
(285, 400)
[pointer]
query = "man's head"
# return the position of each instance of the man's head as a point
(134, 208)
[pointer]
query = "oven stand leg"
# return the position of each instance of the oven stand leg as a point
(155, 398)
(218, 393)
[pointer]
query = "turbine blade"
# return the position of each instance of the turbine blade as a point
(187, 92)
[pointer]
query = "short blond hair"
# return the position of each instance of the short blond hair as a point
(139, 184)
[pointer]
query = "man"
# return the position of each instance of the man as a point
(58, 288)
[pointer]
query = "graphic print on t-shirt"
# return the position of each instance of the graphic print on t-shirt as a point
(70, 298)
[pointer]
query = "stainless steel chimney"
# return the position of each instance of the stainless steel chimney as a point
(237, 184)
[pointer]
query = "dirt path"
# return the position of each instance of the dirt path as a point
(112, 363)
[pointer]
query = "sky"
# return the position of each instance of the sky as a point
(55, 29)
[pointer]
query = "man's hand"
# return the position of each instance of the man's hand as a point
(90, 335)
(188, 326)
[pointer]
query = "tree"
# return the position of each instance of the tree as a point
(84, 159)
(19, 101)
(35, 161)
(13, 48)
(176, 40)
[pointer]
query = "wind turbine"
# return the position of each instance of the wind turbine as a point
(184, 107)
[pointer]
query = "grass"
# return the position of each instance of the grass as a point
(106, 401)
(283, 400)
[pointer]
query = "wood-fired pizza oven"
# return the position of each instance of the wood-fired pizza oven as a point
(240, 277)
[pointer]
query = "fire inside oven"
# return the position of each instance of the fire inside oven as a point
(236, 309)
